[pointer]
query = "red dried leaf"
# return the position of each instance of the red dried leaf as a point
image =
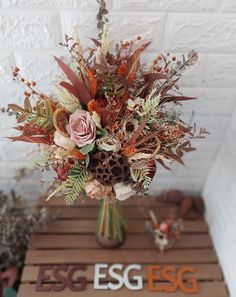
(32, 139)
(83, 93)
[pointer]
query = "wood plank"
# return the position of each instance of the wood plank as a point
(139, 200)
(210, 272)
(120, 256)
(207, 289)
(129, 212)
(132, 242)
(89, 226)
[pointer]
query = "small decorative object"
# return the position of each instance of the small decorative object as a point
(17, 222)
(164, 233)
(109, 122)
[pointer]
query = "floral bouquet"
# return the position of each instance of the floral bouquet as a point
(109, 122)
(165, 232)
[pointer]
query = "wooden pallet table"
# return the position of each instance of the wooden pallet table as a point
(69, 239)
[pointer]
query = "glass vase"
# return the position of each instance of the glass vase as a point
(110, 232)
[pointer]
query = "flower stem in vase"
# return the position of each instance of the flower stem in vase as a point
(110, 225)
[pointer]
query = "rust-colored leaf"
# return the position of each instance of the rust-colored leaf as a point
(31, 139)
(138, 131)
(83, 93)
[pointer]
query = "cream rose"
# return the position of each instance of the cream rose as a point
(109, 143)
(81, 128)
(63, 141)
(123, 191)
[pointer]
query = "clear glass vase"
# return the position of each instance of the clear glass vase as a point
(110, 231)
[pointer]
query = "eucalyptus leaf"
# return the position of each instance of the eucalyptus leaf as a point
(88, 148)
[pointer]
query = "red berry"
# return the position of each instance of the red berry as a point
(22, 79)
(159, 58)
(139, 37)
(41, 96)
(28, 84)
(155, 61)
(16, 69)
(173, 58)
(14, 74)
(33, 83)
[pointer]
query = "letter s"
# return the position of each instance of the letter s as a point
(116, 276)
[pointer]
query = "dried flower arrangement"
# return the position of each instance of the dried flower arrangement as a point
(17, 223)
(165, 232)
(110, 121)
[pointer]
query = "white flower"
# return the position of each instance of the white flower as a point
(135, 104)
(109, 144)
(161, 240)
(123, 191)
(96, 118)
(63, 141)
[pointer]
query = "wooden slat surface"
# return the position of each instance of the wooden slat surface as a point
(89, 226)
(69, 239)
(83, 241)
(206, 289)
(89, 256)
(130, 212)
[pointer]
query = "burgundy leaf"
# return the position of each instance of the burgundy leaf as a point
(84, 95)
(149, 77)
(70, 88)
(97, 43)
(163, 164)
(175, 158)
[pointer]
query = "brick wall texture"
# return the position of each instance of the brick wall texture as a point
(30, 31)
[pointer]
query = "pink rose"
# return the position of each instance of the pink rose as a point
(82, 128)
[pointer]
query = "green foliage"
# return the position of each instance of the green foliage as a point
(41, 115)
(75, 183)
(88, 148)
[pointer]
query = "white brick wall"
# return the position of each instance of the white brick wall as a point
(29, 34)
(220, 196)
(31, 29)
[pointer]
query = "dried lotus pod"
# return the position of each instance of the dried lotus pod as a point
(109, 168)
(60, 120)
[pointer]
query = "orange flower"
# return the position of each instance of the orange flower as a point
(126, 96)
(131, 77)
(77, 154)
(129, 151)
(93, 106)
(122, 70)
(93, 83)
